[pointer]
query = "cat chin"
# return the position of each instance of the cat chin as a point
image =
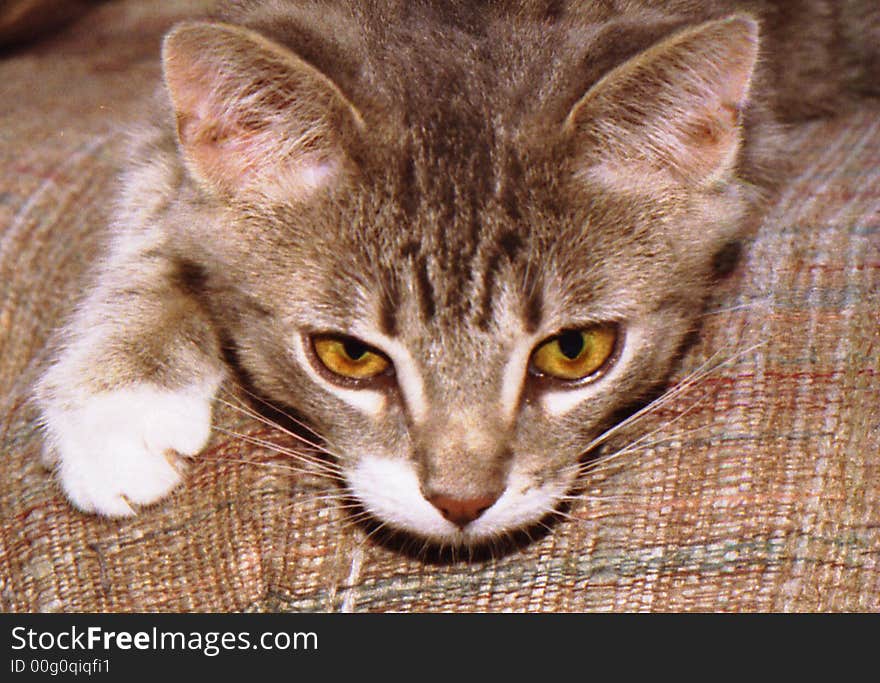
(389, 489)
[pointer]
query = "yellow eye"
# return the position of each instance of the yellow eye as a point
(348, 357)
(575, 354)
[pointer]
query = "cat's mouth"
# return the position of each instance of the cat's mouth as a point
(389, 489)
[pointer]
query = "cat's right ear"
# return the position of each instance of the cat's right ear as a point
(252, 117)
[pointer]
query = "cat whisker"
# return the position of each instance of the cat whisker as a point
(542, 524)
(756, 303)
(256, 397)
(271, 465)
(342, 502)
(304, 457)
(637, 446)
(245, 410)
(645, 442)
(495, 543)
(312, 446)
(528, 532)
(326, 468)
(562, 515)
(307, 467)
(610, 498)
(697, 376)
(382, 526)
(426, 547)
(345, 524)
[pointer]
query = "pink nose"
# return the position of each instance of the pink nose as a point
(462, 512)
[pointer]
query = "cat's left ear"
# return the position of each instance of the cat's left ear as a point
(671, 114)
(252, 117)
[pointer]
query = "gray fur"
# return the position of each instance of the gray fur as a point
(462, 215)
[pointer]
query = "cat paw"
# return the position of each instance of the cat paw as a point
(121, 449)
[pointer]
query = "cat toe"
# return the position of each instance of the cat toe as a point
(114, 482)
(119, 451)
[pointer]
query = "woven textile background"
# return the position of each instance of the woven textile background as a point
(757, 489)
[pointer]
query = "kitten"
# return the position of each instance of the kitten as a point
(458, 237)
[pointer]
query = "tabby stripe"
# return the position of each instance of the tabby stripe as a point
(425, 290)
(409, 379)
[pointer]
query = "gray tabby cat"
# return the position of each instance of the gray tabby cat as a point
(457, 237)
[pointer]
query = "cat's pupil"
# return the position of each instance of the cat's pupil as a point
(571, 344)
(354, 349)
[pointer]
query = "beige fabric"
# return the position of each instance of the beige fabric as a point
(759, 489)
(23, 20)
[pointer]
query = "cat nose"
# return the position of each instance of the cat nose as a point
(462, 511)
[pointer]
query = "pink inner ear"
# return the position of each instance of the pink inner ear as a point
(233, 158)
(710, 141)
(218, 148)
(208, 133)
(250, 117)
(674, 111)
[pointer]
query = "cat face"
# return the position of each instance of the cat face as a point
(433, 376)
(458, 299)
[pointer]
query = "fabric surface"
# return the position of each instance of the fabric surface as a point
(757, 488)
(23, 20)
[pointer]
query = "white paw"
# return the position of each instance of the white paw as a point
(120, 448)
